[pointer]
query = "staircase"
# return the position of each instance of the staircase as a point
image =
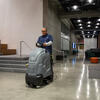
(5, 51)
(13, 64)
(9, 62)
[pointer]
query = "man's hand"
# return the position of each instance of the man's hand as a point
(44, 44)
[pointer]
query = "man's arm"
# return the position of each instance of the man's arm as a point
(50, 42)
(38, 44)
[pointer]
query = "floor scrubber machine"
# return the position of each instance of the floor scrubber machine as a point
(39, 69)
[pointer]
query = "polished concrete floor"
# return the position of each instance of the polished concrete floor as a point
(70, 83)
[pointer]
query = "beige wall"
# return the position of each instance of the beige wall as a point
(20, 20)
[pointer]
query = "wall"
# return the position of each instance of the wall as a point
(54, 27)
(53, 23)
(20, 20)
(90, 43)
(72, 39)
(64, 42)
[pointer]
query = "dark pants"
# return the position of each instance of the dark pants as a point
(51, 61)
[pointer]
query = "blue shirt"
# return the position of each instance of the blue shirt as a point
(45, 39)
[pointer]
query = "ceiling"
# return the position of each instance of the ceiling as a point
(88, 27)
(80, 5)
(85, 24)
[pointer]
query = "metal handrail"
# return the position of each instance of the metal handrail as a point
(21, 44)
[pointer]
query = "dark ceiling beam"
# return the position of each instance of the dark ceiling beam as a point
(68, 23)
(71, 25)
(79, 14)
(55, 2)
(88, 30)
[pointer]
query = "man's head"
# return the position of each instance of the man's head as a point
(44, 31)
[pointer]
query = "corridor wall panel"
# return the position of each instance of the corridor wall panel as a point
(90, 43)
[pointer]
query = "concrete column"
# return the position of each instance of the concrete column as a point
(52, 22)
(72, 39)
(70, 44)
(45, 13)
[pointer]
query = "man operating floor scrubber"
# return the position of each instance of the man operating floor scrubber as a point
(40, 69)
(45, 41)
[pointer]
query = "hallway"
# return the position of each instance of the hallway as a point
(70, 83)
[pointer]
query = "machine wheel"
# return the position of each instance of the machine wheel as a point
(28, 82)
(49, 79)
(32, 86)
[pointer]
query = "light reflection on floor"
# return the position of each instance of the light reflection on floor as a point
(70, 83)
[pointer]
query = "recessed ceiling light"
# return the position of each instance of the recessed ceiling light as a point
(80, 24)
(89, 26)
(89, 22)
(81, 27)
(88, 32)
(93, 3)
(99, 19)
(88, 36)
(96, 27)
(90, 1)
(75, 7)
(78, 20)
(97, 23)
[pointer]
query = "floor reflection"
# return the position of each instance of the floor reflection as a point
(71, 82)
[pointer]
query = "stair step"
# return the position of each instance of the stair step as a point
(3, 51)
(13, 65)
(4, 46)
(11, 51)
(14, 61)
(17, 70)
(8, 51)
(13, 58)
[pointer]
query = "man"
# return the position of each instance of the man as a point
(45, 41)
